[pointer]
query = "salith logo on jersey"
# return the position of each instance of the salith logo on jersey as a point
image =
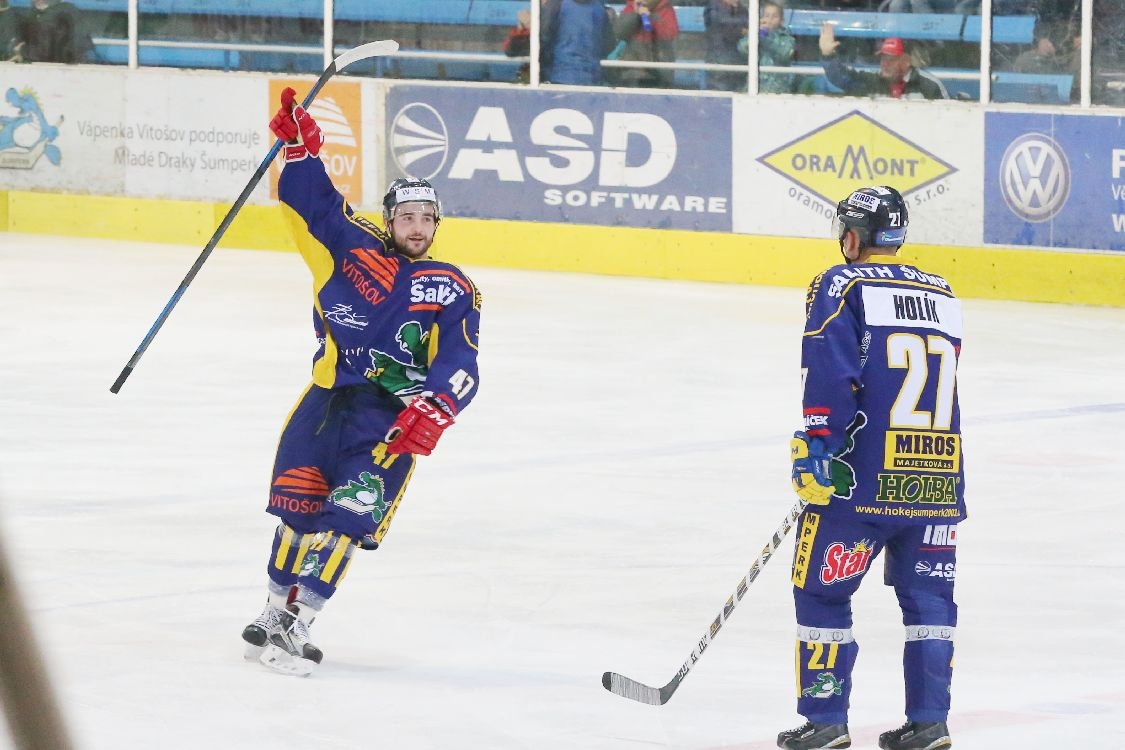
(855, 149)
(299, 490)
(1035, 177)
(433, 290)
(842, 563)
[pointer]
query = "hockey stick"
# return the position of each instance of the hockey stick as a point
(637, 691)
(362, 52)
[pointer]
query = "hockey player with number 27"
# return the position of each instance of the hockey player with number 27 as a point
(880, 464)
(396, 364)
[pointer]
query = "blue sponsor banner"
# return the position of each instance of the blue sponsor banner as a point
(1054, 181)
(586, 158)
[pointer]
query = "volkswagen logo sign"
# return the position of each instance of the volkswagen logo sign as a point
(419, 141)
(1035, 177)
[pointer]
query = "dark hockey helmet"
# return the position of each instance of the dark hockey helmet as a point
(410, 190)
(877, 214)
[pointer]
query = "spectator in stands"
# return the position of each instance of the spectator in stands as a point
(574, 36)
(1048, 55)
(725, 23)
(649, 29)
(776, 47)
(51, 32)
(518, 44)
(897, 78)
(11, 46)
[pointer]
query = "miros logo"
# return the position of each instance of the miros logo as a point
(854, 149)
(1035, 177)
(337, 112)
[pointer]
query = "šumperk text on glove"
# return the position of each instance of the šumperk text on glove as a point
(418, 427)
(812, 469)
(296, 128)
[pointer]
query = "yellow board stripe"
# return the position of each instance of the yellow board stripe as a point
(1078, 277)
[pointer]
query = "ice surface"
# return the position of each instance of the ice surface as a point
(626, 458)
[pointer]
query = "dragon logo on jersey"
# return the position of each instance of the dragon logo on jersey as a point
(826, 686)
(406, 373)
(311, 565)
(367, 496)
(843, 475)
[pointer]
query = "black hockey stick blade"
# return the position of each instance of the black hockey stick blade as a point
(362, 52)
(619, 684)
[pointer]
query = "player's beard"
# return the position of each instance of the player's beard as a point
(415, 245)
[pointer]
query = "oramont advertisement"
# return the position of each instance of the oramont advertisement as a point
(587, 158)
(802, 157)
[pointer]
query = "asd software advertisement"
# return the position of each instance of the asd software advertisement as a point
(1055, 181)
(589, 158)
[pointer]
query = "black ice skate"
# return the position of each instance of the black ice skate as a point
(917, 735)
(257, 633)
(289, 649)
(811, 736)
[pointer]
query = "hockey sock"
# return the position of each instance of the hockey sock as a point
(326, 561)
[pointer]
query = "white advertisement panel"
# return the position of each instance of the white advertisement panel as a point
(60, 127)
(199, 138)
(796, 158)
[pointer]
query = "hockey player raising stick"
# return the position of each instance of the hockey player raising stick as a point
(879, 461)
(397, 362)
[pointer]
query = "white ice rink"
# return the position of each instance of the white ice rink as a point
(592, 510)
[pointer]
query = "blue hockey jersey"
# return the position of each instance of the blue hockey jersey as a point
(409, 326)
(879, 362)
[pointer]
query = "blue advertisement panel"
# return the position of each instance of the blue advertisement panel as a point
(586, 158)
(1054, 181)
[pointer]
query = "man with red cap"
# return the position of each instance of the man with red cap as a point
(897, 77)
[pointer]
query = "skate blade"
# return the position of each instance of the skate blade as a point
(280, 660)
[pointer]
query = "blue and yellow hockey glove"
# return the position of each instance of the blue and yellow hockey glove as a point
(812, 469)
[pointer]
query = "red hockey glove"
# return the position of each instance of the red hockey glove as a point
(296, 128)
(418, 427)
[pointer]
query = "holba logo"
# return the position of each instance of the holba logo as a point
(832, 159)
(419, 141)
(1035, 177)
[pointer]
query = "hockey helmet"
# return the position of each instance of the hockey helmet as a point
(877, 214)
(409, 190)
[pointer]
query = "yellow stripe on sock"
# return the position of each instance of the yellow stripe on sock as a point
(283, 548)
(343, 543)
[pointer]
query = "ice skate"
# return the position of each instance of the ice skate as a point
(811, 736)
(289, 649)
(917, 735)
(257, 633)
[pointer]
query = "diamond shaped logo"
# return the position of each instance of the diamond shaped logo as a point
(852, 150)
